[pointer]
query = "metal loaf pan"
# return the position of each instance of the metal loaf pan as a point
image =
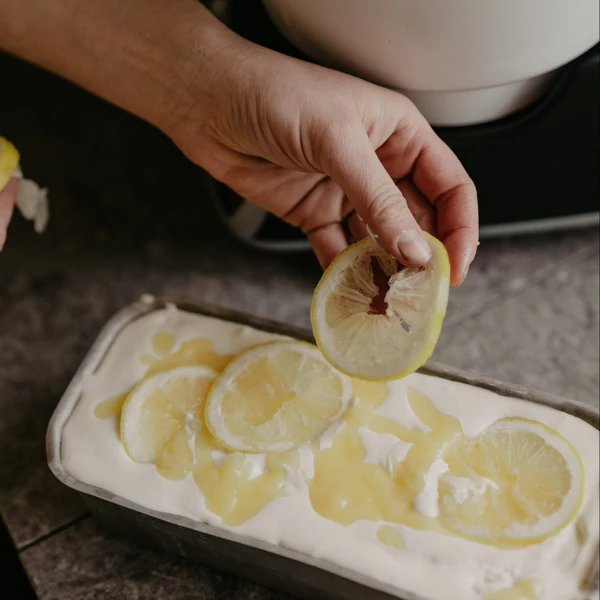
(274, 566)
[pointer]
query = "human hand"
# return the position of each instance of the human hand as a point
(8, 197)
(317, 148)
(307, 143)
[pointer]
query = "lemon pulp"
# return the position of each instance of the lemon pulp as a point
(376, 320)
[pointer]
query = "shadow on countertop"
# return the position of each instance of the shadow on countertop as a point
(15, 583)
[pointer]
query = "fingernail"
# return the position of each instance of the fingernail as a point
(465, 264)
(414, 247)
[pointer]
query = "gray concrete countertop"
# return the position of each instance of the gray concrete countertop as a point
(130, 215)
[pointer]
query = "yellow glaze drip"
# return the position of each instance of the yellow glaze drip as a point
(527, 589)
(390, 536)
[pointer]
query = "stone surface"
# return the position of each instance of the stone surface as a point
(83, 563)
(506, 267)
(543, 336)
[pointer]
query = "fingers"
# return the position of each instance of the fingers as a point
(422, 210)
(356, 227)
(320, 214)
(440, 176)
(353, 164)
(416, 149)
(327, 242)
(8, 196)
(323, 203)
(458, 228)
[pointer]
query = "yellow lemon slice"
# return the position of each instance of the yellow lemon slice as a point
(162, 413)
(275, 397)
(375, 320)
(9, 161)
(517, 483)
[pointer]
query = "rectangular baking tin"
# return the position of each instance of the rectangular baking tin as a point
(265, 563)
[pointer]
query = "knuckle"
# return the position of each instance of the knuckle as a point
(338, 130)
(464, 193)
(426, 221)
(386, 206)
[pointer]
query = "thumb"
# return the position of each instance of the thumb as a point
(356, 168)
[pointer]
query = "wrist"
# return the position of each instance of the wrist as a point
(217, 69)
(202, 50)
(190, 59)
(163, 62)
(141, 55)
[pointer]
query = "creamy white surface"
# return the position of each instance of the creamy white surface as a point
(436, 566)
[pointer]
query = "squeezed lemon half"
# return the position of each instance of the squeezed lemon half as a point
(518, 482)
(375, 320)
(275, 397)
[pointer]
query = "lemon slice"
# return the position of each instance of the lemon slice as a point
(517, 483)
(275, 397)
(162, 412)
(374, 320)
(9, 161)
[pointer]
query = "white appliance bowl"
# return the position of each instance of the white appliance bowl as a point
(461, 61)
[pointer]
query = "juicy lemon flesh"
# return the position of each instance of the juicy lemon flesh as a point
(9, 161)
(366, 333)
(379, 320)
(275, 399)
(523, 481)
(168, 415)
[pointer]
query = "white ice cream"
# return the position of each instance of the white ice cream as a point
(437, 567)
